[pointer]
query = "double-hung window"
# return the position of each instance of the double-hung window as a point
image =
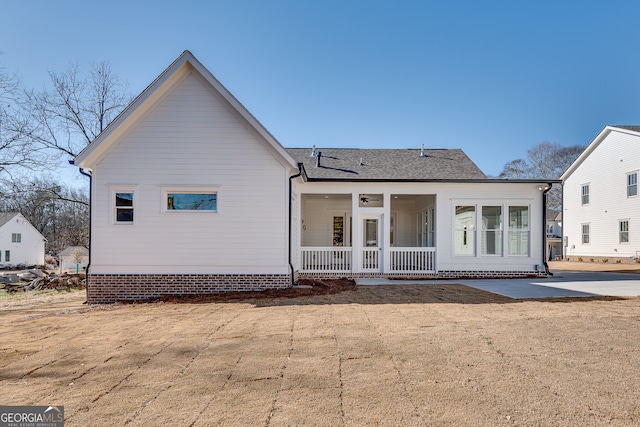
(585, 194)
(585, 233)
(464, 230)
(123, 204)
(518, 230)
(16, 237)
(491, 230)
(632, 184)
(623, 231)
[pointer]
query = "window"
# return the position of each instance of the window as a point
(124, 208)
(585, 234)
(518, 230)
(7, 256)
(192, 202)
(491, 237)
(585, 194)
(338, 231)
(623, 228)
(464, 230)
(16, 237)
(632, 184)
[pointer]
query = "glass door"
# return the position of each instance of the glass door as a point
(371, 245)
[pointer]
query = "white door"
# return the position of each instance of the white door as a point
(372, 244)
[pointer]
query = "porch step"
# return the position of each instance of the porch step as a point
(302, 287)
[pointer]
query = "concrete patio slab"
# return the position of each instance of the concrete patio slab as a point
(561, 284)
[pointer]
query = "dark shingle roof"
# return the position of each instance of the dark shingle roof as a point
(628, 127)
(387, 164)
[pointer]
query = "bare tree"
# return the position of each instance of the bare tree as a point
(59, 212)
(544, 161)
(74, 111)
(15, 148)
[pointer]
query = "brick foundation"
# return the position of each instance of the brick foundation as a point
(108, 288)
(431, 276)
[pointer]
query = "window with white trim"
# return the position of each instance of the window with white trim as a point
(586, 229)
(123, 204)
(623, 231)
(16, 237)
(632, 184)
(519, 230)
(7, 256)
(465, 230)
(491, 237)
(192, 198)
(585, 194)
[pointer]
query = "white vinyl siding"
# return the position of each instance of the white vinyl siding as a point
(188, 139)
(607, 169)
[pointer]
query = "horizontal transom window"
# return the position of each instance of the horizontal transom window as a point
(192, 202)
(190, 198)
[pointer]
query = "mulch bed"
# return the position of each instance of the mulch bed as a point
(307, 288)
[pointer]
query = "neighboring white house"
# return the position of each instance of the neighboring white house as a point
(21, 244)
(73, 259)
(601, 217)
(191, 194)
(554, 234)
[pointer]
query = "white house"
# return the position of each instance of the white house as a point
(191, 194)
(554, 234)
(21, 244)
(601, 213)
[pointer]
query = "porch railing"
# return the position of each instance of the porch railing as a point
(413, 260)
(325, 259)
(337, 259)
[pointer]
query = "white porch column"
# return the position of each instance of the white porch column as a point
(356, 234)
(386, 239)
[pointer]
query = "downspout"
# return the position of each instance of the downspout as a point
(291, 178)
(87, 174)
(544, 228)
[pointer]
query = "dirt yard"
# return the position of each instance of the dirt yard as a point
(401, 355)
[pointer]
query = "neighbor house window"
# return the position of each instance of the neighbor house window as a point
(585, 233)
(624, 231)
(7, 256)
(585, 194)
(491, 237)
(464, 230)
(124, 207)
(16, 237)
(518, 230)
(632, 184)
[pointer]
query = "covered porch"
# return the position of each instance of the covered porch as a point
(367, 234)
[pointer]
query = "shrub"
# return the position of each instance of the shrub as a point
(605, 260)
(590, 259)
(580, 258)
(618, 261)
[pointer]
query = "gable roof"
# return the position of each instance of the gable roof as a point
(6, 217)
(353, 164)
(182, 66)
(627, 129)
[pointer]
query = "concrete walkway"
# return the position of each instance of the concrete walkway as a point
(562, 284)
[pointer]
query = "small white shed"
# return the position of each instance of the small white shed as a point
(74, 259)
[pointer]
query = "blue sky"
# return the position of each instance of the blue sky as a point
(492, 78)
